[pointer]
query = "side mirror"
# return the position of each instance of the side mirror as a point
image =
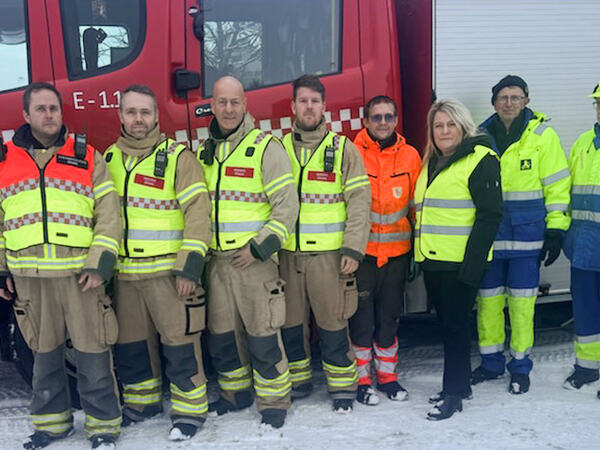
(199, 25)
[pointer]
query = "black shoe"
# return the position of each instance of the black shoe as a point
(104, 442)
(393, 390)
(598, 394)
(131, 417)
(302, 391)
(366, 395)
(273, 417)
(519, 383)
(41, 439)
(182, 431)
(445, 408)
(342, 405)
(482, 374)
(435, 398)
(580, 377)
(221, 406)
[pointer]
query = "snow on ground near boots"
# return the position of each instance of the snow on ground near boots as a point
(546, 417)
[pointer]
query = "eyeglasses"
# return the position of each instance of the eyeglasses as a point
(389, 118)
(512, 98)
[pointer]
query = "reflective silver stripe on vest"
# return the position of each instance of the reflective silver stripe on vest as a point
(523, 293)
(322, 227)
(239, 227)
(240, 196)
(151, 203)
(445, 229)
(561, 174)
(523, 195)
(389, 237)
(562, 207)
(54, 217)
(518, 245)
(590, 216)
(158, 235)
(586, 189)
(588, 339)
(387, 219)
(492, 292)
(69, 186)
(540, 129)
(14, 189)
(443, 203)
(321, 198)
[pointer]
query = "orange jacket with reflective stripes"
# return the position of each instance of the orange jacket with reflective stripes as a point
(393, 173)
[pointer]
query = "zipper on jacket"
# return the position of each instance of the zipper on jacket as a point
(300, 201)
(217, 187)
(125, 218)
(44, 207)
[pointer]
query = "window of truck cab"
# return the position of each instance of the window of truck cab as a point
(14, 49)
(101, 36)
(268, 42)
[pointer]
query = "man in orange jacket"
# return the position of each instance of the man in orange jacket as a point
(393, 167)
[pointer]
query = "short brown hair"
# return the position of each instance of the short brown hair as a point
(140, 89)
(40, 86)
(380, 99)
(311, 82)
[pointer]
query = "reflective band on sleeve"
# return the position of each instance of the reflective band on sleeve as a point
(562, 207)
(446, 229)
(389, 237)
(232, 227)
(321, 198)
(104, 188)
(279, 183)
(442, 203)
(191, 191)
(357, 182)
(523, 195)
(523, 293)
(540, 129)
(586, 189)
(560, 175)
(585, 215)
(159, 235)
(151, 203)
(387, 219)
(105, 241)
(194, 245)
(322, 227)
(278, 228)
(518, 245)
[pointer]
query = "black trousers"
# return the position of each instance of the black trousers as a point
(453, 302)
(380, 299)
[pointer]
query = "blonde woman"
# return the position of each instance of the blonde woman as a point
(459, 208)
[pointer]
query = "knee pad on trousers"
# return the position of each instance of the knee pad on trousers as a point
(133, 362)
(334, 347)
(293, 341)
(50, 378)
(265, 353)
(96, 385)
(181, 365)
(224, 352)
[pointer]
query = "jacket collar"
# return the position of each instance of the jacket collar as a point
(24, 138)
(309, 139)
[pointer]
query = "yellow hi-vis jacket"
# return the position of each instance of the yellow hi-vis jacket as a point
(322, 217)
(152, 220)
(445, 210)
(240, 206)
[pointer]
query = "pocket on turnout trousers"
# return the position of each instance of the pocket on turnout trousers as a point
(108, 325)
(348, 297)
(195, 311)
(27, 324)
(276, 295)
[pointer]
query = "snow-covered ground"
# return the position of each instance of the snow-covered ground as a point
(546, 417)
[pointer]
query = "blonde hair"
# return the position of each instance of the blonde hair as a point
(458, 112)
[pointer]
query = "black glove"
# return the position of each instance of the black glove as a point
(414, 269)
(552, 245)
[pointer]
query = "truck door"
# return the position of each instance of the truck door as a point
(266, 44)
(20, 25)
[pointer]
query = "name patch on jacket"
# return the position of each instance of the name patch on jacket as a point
(71, 161)
(525, 164)
(244, 172)
(152, 182)
(321, 176)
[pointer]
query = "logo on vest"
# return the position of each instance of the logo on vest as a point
(314, 175)
(397, 191)
(243, 172)
(146, 180)
(525, 164)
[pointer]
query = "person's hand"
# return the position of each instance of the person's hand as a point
(8, 292)
(552, 245)
(348, 265)
(243, 257)
(414, 269)
(185, 287)
(90, 280)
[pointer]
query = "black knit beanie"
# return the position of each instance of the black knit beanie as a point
(507, 81)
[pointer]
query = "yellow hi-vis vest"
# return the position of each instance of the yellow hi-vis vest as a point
(240, 206)
(322, 218)
(53, 204)
(152, 219)
(445, 210)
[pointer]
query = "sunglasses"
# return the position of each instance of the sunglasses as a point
(389, 118)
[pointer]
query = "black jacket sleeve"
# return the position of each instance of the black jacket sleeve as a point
(486, 192)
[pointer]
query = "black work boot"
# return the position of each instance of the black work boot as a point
(301, 391)
(41, 439)
(482, 374)
(221, 406)
(581, 376)
(445, 408)
(519, 383)
(104, 442)
(343, 405)
(393, 390)
(441, 395)
(273, 416)
(367, 395)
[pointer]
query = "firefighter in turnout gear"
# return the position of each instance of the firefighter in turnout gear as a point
(60, 232)
(254, 209)
(535, 188)
(582, 248)
(393, 167)
(166, 217)
(319, 259)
